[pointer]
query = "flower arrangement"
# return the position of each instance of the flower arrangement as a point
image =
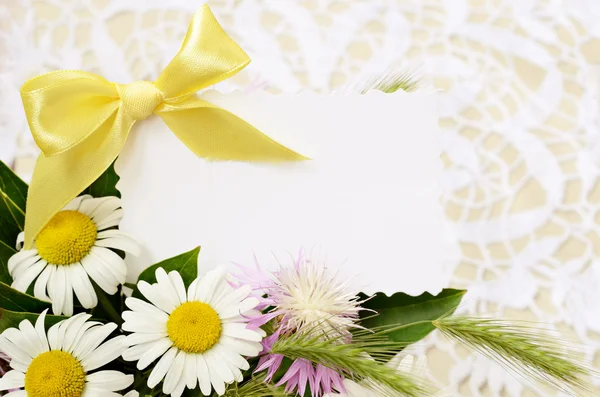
(71, 326)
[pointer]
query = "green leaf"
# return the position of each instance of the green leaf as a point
(5, 253)
(13, 196)
(140, 384)
(105, 185)
(109, 307)
(186, 264)
(401, 309)
(10, 319)
(11, 299)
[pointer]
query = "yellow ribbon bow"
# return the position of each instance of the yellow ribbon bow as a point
(81, 121)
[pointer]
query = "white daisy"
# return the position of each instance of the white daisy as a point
(200, 334)
(59, 364)
(74, 247)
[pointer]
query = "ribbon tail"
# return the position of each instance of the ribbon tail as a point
(214, 133)
(59, 179)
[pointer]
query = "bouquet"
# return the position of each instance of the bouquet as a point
(72, 326)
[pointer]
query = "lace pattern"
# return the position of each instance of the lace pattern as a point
(521, 114)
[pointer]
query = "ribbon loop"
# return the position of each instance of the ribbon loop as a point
(81, 121)
(139, 99)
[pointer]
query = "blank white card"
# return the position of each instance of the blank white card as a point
(366, 204)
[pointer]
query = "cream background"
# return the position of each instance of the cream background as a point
(520, 124)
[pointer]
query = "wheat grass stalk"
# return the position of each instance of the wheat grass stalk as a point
(392, 81)
(522, 349)
(255, 387)
(363, 358)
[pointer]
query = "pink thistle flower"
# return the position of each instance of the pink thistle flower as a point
(303, 298)
(300, 373)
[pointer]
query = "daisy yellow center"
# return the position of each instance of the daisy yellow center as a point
(67, 238)
(194, 327)
(55, 374)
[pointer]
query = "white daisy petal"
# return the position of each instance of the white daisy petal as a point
(203, 375)
(191, 293)
(237, 330)
(139, 338)
(30, 334)
(68, 305)
(20, 241)
(18, 365)
(134, 353)
(111, 220)
(18, 393)
(145, 308)
(20, 257)
(22, 267)
(158, 348)
(240, 309)
(156, 297)
(76, 202)
(245, 348)
(165, 284)
(232, 357)
(234, 297)
(58, 291)
(90, 204)
(179, 286)
(120, 243)
(53, 336)
(92, 339)
(161, 368)
(215, 376)
(132, 393)
(175, 373)
(64, 326)
(12, 380)
(106, 281)
(104, 354)
(82, 286)
(111, 260)
(124, 241)
(13, 351)
(82, 331)
(26, 277)
(39, 289)
(20, 340)
(235, 371)
(207, 284)
(191, 371)
(91, 391)
(220, 293)
(106, 207)
(109, 380)
(41, 332)
(217, 364)
(136, 322)
(73, 330)
(179, 388)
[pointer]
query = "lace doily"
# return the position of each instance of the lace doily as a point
(520, 124)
